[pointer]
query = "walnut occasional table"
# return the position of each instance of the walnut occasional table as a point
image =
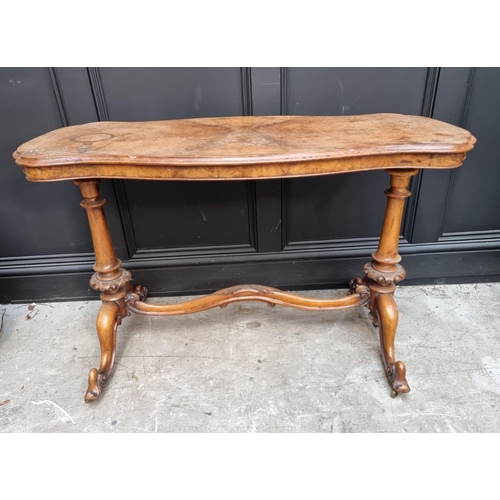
(238, 148)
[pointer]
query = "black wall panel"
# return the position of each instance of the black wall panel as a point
(169, 93)
(335, 207)
(190, 214)
(36, 219)
(188, 237)
(353, 91)
(474, 203)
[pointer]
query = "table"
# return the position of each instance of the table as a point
(238, 148)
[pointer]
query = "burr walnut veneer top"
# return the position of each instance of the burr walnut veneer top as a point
(243, 147)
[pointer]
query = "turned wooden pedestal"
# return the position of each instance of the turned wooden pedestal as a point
(239, 148)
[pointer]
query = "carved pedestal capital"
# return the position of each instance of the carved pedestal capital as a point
(384, 278)
(111, 286)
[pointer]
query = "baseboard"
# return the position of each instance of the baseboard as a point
(70, 282)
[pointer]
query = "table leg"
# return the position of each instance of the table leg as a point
(382, 274)
(110, 279)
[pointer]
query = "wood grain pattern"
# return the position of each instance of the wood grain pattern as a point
(243, 147)
(272, 296)
(244, 172)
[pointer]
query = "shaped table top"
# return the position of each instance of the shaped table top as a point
(243, 147)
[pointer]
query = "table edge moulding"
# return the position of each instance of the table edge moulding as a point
(243, 148)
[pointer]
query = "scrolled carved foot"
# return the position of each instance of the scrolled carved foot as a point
(397, 378)
(96, 385)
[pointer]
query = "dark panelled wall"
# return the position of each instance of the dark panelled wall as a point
(192, 237)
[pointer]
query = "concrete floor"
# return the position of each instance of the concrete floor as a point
(250, 368)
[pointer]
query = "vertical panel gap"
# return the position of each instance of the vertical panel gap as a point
(246, 91)
(285, 202)
(252, 215)
(128, 230)
(284, 110)
(428, 103)
(61, 105)
(461, 123)
(98, 94)
(284, 91)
